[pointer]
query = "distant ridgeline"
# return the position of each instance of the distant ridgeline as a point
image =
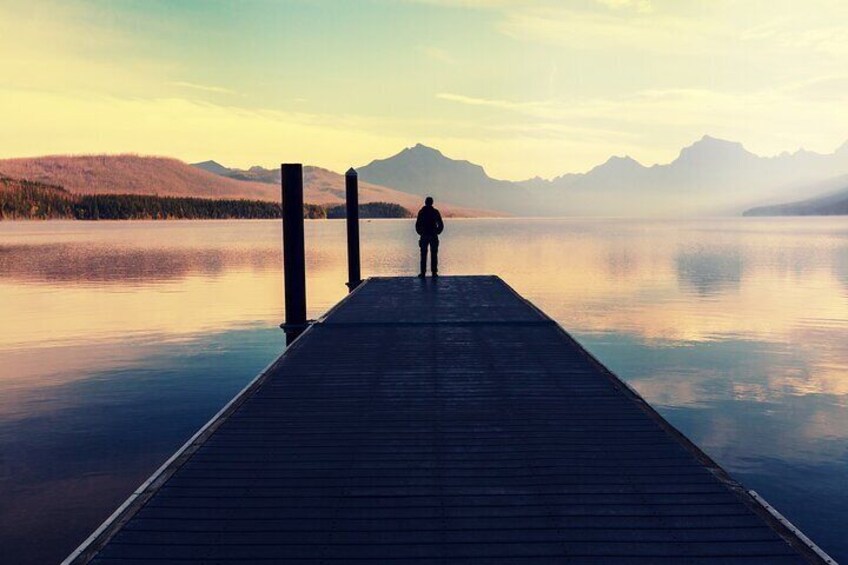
(23, 199)
(833, 204)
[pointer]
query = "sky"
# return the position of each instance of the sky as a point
(523, 88)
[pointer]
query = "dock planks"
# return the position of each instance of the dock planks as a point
(443, 421)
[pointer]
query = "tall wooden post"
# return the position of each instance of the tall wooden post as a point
(354, 277)
(294, 255)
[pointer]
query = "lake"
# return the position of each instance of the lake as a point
(118, 340)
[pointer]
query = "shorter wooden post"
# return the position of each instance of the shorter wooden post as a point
(354, 277)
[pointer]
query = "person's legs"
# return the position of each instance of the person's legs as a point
(434, 255)
(422, 243)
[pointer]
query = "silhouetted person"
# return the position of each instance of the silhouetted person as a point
(429, 225)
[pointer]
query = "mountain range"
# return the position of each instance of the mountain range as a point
(830, 203)
(710, 177)
(321, 186)
(132, 174)
(425, 171)
(162, 176)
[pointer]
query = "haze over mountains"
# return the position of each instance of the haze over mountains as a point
(710, 177)
(321, 186)
(425, 171)
(830, 203)
(163, 176)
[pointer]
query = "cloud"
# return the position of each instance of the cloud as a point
(637, 31)
(652, 124)
(637, 5)
(828, 39)
(437, 54)
(204, 87)
(643, 6)
(509, 81)
(56, 123)
(502, 104)
(480, 4)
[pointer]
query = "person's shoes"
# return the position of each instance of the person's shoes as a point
(420, 275)
(435, 275)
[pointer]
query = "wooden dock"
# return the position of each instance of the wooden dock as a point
(441, 421)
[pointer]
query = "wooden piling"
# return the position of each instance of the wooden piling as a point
(354, 276)
(294, 254)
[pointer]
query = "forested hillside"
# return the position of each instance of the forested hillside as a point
(371, 210)
(21, 199)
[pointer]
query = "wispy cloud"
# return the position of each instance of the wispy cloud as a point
(613, 30)
(438, 54)
(486, 4)
(638, 5)
(784, 32)
(204, 87)
(521, 86)
(650, 123)
(644, 6)
(189, 129)
(502, 104)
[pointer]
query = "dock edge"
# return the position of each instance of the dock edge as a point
(101, 536)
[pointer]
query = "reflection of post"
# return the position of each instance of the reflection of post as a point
(294, 261)
(352, 200)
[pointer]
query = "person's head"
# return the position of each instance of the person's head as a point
(428, 201)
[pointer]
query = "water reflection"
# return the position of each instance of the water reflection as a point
(74, 451)
(709, 272)
(86, 264)
(840, 266)
(119, 339)
(621, 264)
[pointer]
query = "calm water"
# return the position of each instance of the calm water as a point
(118, 340)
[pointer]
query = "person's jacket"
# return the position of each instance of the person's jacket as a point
(429, 222)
